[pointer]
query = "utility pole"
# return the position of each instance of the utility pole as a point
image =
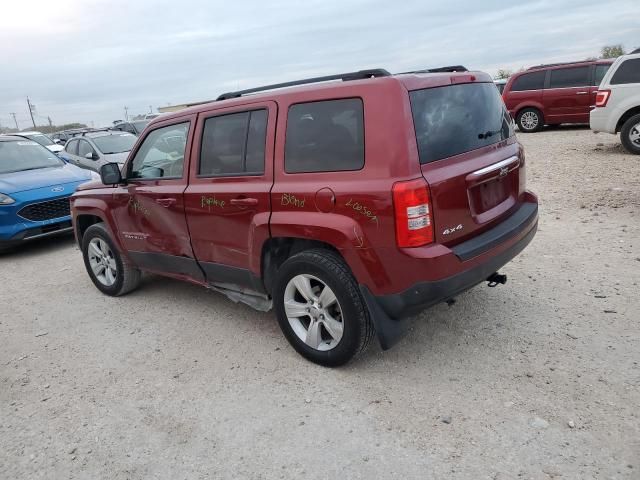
(126, 113)
(150, 109)
(16, 121)
(50, 122)
(32, 107)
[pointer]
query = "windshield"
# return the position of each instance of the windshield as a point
(41, 139)
(17, 156)
(117, 143)
(139, 126)
(458, 118)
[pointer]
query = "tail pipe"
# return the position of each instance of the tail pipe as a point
(496, 279)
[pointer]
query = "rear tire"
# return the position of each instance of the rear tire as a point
(108, 271)
(630, 135)
(320, 309)
(530, 120)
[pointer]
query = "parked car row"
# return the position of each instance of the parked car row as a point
(603, 93)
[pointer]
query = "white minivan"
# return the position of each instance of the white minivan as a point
(617, 106)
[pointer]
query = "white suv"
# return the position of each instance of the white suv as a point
(618, 102)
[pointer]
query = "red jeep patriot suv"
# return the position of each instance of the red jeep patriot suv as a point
(346, 203)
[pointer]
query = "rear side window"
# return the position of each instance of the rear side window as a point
(325, 136)
(569, 77)
(601, 70)
(628, 72)
(72, 147)
(529, 81)
(459, 118)
(234, 144)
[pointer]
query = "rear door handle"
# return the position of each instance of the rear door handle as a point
(243, 201)
(581, 93)
(166, 202)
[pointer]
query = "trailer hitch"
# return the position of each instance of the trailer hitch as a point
(496, 279)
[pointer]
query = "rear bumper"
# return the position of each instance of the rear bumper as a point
(600, 120)
(517, 231)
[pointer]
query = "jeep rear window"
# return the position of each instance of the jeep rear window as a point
(325, 136)
(529, 81)
(458, 118)
(627, 72)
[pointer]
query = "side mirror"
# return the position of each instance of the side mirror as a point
(91, 156)
(110, 174)
(57, 141)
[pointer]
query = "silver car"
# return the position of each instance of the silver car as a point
(94, 149)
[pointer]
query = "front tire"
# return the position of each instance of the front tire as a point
(530, 120)
(108, 271)
(630, 135)
(320, 309)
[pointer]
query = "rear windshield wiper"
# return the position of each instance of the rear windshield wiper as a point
(488, 134)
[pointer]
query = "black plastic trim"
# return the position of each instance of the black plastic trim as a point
(497, 235)
(162, 262)
(387, 312)
(218, 273)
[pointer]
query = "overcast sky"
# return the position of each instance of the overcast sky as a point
(84, 60)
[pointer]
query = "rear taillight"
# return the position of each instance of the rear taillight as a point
(602, 97)
(411, 202)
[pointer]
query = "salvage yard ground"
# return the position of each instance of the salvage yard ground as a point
(536, 379)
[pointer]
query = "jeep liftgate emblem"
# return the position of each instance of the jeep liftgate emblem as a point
(504, 171)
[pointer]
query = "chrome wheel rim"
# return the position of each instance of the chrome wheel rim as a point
(529, 120)
(313, 312)
(634, 134)
(103, 264)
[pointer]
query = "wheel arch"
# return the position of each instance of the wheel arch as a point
(626, 116)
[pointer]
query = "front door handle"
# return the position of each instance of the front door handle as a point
(581, 93)
(166, 202)
(243, 201)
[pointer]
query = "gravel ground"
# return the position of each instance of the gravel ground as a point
(536, 379)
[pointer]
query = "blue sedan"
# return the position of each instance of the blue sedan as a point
(35, 186)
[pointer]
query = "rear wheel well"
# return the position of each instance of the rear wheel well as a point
(83, 222)
(276, 250)
(626, 116)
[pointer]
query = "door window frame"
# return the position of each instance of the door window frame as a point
(272, 116)
(190, 120)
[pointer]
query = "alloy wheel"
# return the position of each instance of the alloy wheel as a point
(529, 120)
(103, 264)
(314, 312)
(634, 134)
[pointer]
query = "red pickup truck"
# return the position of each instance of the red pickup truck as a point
(346, 203)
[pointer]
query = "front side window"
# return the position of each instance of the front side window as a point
(234, 144)
(161, 154)
(458, 118)
(325, 136)
(569, 77)
(84, 148)
(627, 72)
(529, 81)
(601, 70)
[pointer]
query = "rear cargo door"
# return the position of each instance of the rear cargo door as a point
(469, 157)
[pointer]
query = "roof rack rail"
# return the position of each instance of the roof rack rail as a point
(560, 63)
(359, 75)
(450, 68)
(637, 50)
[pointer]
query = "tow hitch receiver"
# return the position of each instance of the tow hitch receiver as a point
(496, 279)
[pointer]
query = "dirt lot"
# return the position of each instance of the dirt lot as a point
(537, 379)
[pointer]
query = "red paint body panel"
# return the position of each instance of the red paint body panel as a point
(352, 211)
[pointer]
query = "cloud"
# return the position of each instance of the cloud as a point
(85, 60)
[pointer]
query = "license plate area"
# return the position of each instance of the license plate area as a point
(489, 194)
